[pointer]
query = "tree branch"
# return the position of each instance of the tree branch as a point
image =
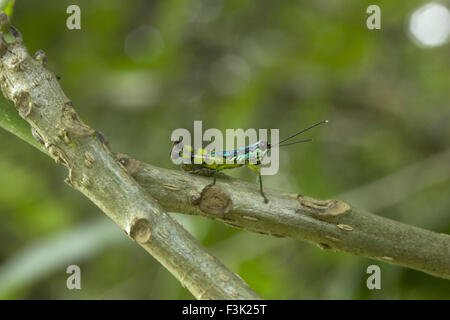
(331, 224)
(94, 171)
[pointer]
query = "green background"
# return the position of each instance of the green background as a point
(137, 70)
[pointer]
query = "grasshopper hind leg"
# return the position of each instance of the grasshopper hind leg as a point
(256, 169)
(261, 189)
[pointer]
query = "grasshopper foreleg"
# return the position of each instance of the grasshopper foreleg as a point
(215, 176)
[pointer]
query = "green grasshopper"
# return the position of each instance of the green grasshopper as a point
(250, 156)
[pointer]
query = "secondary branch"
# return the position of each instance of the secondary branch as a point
(331, 224)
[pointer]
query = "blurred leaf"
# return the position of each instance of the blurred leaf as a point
(12, 122)
(56, 253)
(7, 6)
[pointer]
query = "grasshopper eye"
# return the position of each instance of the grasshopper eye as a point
(263, 145)
(177, 142)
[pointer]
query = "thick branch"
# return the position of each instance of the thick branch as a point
(331, 224)
(94, 171)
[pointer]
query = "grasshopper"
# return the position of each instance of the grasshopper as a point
(251, 156)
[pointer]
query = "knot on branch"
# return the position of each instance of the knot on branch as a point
(57, 154)
(132, 166)
(101, 137)
(323, 208)
(215, 201)
(41, 57)
(73, 124)
(140, 230)
(22, 101)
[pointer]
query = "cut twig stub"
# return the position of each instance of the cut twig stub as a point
(22, 101)
(215, 201)
(132, 166)
(140, 230)
(41, 57)
(324, 208)
(72, 123)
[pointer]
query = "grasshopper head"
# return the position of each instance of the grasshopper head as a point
(177, 149)
(263, 145)
(181, 153)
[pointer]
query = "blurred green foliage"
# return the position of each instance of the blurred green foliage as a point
(7, 6)
(137, 70)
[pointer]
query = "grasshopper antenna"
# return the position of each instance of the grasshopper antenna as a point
(290, 143)
(301, 131)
